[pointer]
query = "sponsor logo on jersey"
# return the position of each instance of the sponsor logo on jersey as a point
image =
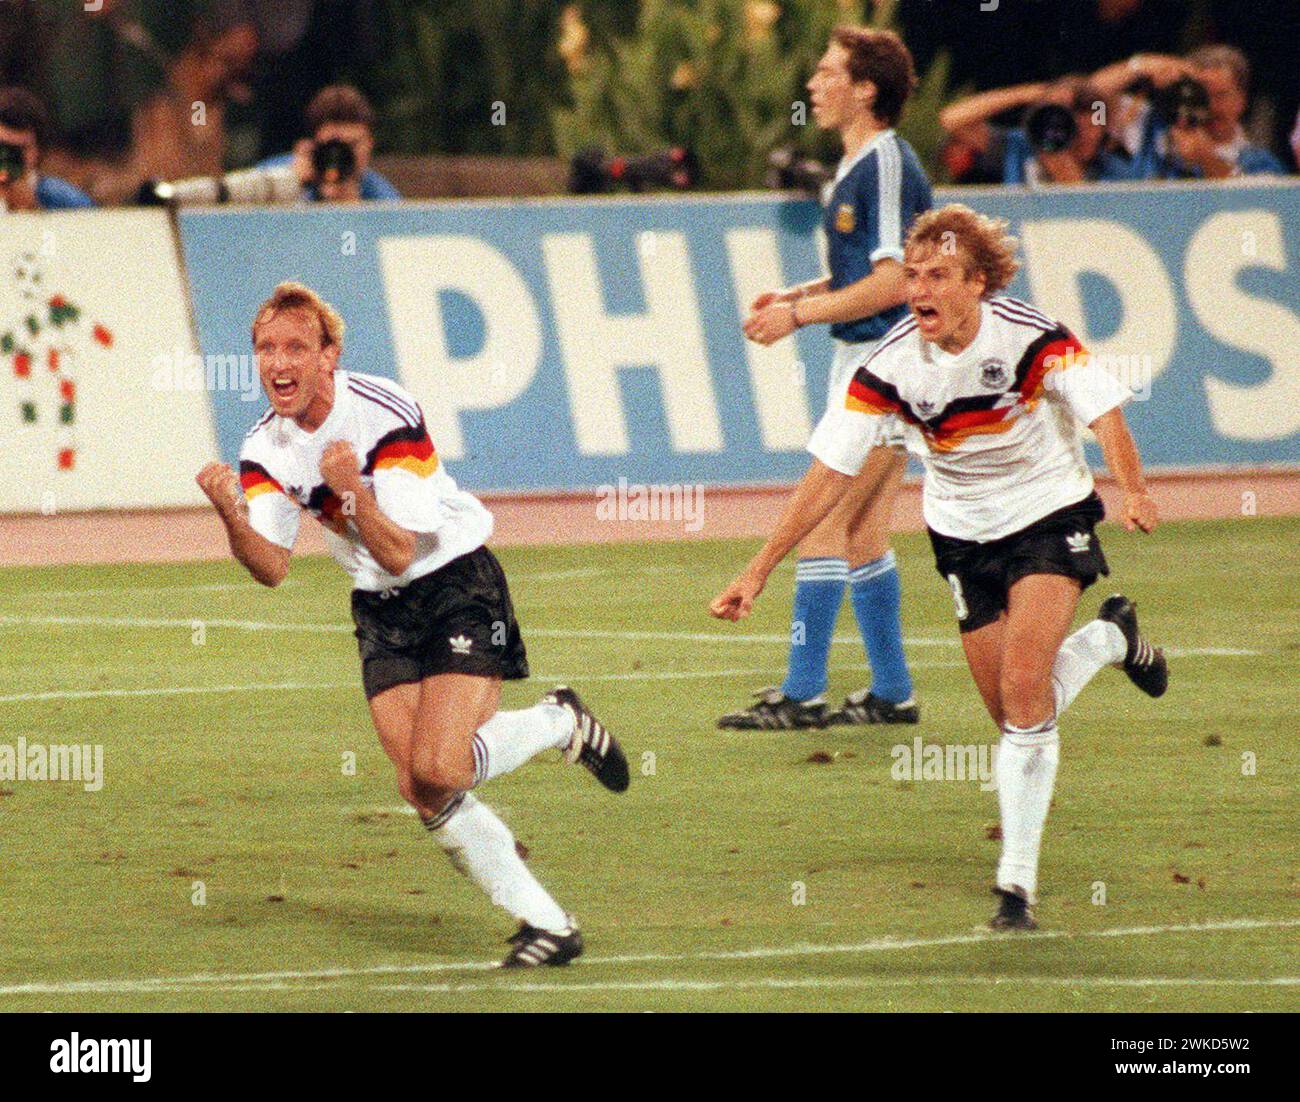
(844, 220)
(994, 372)
(927, 408)
(1078, 542)
(460, 644)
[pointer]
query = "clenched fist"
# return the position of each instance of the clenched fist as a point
(1140, 512)
(222, 487)
(339, 468)
(736, 601)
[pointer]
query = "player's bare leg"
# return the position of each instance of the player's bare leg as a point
(450, 711)
(1040, 608)
(393, 714)
(983, 648)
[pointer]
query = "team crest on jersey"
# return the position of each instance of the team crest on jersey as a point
(844, 220)
(994, 373)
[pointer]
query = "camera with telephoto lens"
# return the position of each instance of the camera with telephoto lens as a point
(13, 162)
(250, 185)
(1185, 102)
(334, 154)
(1050, 127)
(593, 173)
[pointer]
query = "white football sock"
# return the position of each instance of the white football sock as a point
(1026, 772)
(481, 846)
(1096, 644)
(509, 739)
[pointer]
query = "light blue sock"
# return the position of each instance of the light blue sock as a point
(877, 598)
(818, 594)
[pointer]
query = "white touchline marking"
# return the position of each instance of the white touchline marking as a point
(113, 590)
(168, 622)
(561, 678)
(778, 984)
(531, 632)
(597, 571)
(202, 981)
(175, 690)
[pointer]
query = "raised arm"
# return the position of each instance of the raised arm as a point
(1123, 461)
(1160, 69)
(267, 562)
(982, 106)
(392, 546)
(814, 497)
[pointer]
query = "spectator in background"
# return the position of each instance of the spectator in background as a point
(1044, 149)
(180, 130)
(338, 116)
(24, 130)
(1209, 144)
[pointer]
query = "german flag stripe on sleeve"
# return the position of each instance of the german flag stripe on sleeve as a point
(1056, 349)
(255, 480)
(407, 448)
(869, 394)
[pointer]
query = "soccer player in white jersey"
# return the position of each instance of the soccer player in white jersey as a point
(997, 390)
(858, 90)
(434, 620)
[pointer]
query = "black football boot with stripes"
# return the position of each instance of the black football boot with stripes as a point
(774, 711)
(863, 707)
(591, 744)
(1014, 912)
(1145, 665)
(532, 948)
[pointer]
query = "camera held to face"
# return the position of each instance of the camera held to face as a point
(1185, 102)
(333, 155)
(1050, 127)
(13, 162)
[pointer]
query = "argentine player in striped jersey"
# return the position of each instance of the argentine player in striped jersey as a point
(858, 90)
(434, 621)
(997, 390)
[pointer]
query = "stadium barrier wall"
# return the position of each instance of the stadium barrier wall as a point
(568, 344)
(100, 402)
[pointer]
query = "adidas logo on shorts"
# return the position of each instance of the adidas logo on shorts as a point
(460, 644)
(1078, 542)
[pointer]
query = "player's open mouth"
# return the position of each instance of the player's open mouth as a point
(284, 387)
(925, 313)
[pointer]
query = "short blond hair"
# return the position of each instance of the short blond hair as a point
(988, 246)
(298, 296)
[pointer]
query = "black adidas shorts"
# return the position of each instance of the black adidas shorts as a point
(981, 574)
(459, 619)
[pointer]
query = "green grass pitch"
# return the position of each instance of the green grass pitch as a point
(735, 875)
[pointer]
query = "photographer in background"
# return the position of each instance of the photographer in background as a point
(1062, 138)
(24, 128)
(1183, 116)
(333, 164)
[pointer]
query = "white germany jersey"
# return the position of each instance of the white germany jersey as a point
(1000, 419)
(279, 468)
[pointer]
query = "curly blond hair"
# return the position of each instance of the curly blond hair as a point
(298, 296)
(987, 246)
